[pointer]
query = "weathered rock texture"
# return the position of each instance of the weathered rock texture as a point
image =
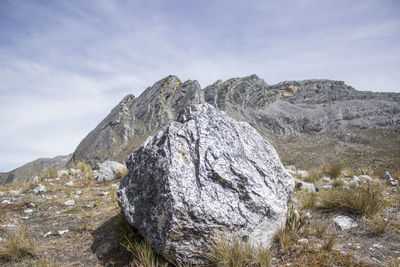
(28, 171)
(110, 170)
(134, 119)
(205, 174)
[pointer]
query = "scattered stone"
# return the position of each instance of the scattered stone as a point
(47, 234)
(70, 183)
(75, 171)
(31, 205)
(62, 173)
(61, 232)
(90, 206)
(69, 202)
(301, 173)
(78, 192)
(394, 182)
(110, 170)
(305, 186)
(345, 222)
(358, 246)
(377, 245)
(39, 189)
(1, 194)
(353, 181)
(36, 179)
(115, 186)
(386, 176)
(104, 193)
(9, 225)
(303, 241)
(14, 192)
(28, 210)
(5, 201)
(205, 173)
(2, 239)
(326, 179)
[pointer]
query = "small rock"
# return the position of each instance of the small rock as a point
(14, 192)
(6, 201)
(386, 176)
(305, 186)
(365, 177)
(75, 171)
(104, 193)
(36, 179)
(301, 173)
(105, 249)
(90, 206)
(394, 182)
(1, 194)
(115, 186)
(303, 241)
(70, 183)
(110, 170)
(345, 222)
(28, 210)
(326, 179)
(358, 246)
(31, 205)
(78, 192)
(291, 168)
(62, 173)
(353, 181)
(39, 189)
(61, 232)
(377, 245)
(47, 234)
(69, 202)
(2, 239)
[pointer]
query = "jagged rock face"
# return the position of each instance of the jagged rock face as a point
(28, 171)
(134, 119)
(311, 106)
(205, 174)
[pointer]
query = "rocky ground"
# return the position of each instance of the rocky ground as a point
(73, 220)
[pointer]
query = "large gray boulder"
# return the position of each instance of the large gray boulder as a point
(205, 174)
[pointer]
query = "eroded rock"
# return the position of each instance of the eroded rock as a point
(205, 174)
(111, 170)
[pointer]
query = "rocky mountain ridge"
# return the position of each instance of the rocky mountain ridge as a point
(309, 122)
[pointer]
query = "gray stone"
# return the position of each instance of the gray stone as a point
(345, 222)
(365, 177)
(69, 202)
(205, 174)
(386, 176)
(305, 186)
(39, 189)
(110, 170)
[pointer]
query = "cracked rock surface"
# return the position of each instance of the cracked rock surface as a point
(205, 174)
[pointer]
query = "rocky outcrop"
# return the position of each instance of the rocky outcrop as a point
(111, 170)
(205, 174)
(134, 119)
(303, 107)
(28, 171)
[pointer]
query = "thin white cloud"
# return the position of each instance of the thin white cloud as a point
(63, 66)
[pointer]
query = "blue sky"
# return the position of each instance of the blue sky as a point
(65, 64)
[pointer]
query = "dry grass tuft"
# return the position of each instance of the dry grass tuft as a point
(121, 173)
(333, 170)
(84, 167)
(232, 252)
(358, 200)
(48, 173)
(308, 201)
(314, 176)
(377, 225)
(329, 244)
(18, 245)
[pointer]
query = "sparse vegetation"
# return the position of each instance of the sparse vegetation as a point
(314, 176)
(333, 170)
(48, 173)
(232, 252)
(378, 225)
(309, 200)
(84, 167)
(328, 245)
(18, 244)
(362, 200)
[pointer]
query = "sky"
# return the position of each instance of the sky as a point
(65, 64)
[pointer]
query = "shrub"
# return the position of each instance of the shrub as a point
(309, 200)
(232, 252)
(365, 171)
(333, 170)
(18, 245)
(377, 225)
(48, 173)
(313, 176)
(358, 200)
(84, 167)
